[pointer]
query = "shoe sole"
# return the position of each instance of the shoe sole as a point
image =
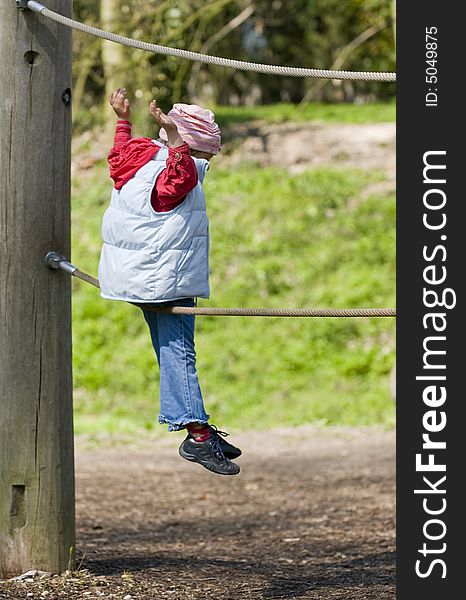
(193, 458)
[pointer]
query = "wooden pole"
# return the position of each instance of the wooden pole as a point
(37, 522)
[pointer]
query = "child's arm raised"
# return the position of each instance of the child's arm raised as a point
(180, 175)
(122, 108)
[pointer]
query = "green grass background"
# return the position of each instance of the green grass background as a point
(278, 240)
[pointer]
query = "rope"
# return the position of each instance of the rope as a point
(87, 278)
(273, 312)
(237, 312)
(214, 60)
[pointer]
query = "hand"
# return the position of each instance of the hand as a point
(162, 119)
(174, 138)
(120, 104)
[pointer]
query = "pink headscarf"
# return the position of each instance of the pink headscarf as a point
(196, 126)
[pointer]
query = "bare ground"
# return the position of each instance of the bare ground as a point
(300, 146)
(310, 516)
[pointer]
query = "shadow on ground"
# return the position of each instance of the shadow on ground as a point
(311, 516)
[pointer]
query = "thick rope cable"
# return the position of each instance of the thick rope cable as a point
(87, 278)
(272, 312)
(56, 261)
(214, 60)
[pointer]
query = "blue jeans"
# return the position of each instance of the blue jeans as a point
(173, 340)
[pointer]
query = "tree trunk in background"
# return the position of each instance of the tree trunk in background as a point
(113, 59)
(37, 519)
(394, 22)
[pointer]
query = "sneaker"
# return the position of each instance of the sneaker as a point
(208, 454)
(228, 449)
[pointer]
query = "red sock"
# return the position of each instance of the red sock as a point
(199, 431)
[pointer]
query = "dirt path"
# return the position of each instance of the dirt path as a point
(300, 146)
(310, 516)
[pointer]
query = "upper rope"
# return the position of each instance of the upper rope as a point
(214, 60)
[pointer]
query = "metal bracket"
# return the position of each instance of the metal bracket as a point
(56, 261)
(31, 5)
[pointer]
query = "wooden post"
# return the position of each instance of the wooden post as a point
(37, 523)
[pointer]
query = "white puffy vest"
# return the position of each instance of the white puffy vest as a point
(150, 256)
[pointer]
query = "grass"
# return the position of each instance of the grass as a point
(278, 240)
(316, 111)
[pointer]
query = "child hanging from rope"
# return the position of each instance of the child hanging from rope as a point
(155, 250)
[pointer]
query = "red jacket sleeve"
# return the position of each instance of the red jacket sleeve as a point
(128, 155)
(122, 135)
(175, 181)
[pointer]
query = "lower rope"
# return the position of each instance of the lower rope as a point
(243, 312)
(272, 312)
(87, 278)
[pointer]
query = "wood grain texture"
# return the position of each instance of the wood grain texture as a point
(37, 524)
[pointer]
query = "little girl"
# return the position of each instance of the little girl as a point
(156, 250)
